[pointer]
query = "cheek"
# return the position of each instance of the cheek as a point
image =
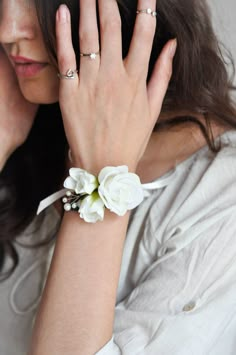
(43, 89)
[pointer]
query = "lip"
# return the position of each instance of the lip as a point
(26, 67)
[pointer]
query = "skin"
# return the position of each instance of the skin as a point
(109, 99)
(20, 35)
(128, 113)
(100, 118)
(16, 115)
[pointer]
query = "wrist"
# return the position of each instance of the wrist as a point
(96, 168)
(115, 188)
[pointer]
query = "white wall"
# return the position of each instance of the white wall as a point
(224, 19)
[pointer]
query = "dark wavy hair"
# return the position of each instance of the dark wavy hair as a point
(200, 84)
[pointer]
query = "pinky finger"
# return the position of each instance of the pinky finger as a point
(160, 78)
(65, 50)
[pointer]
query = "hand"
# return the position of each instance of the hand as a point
(108, 110)
(16, 114)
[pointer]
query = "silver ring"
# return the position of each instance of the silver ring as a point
(92, 55)
(70, 74)
(147, 12)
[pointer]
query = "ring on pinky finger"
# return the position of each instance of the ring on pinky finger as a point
(148, 11)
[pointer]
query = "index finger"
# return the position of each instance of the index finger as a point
(65, 50)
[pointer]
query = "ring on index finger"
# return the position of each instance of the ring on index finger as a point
(70, 74)
(148, 11)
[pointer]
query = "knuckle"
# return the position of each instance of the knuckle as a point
(107, 87)
(63, 61)
(112, 24)
(86, 37)
(110, 88)
(146, 30)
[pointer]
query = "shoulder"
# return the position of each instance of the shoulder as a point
(202, 192)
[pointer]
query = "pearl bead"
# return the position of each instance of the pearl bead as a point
(74, 206)
(67, 207)
(68, 193)
(65, 200)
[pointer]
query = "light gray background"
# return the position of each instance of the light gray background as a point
(224, 19)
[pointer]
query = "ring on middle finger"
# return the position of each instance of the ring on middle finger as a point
(92, 55)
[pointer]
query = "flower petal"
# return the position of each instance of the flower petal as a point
(70, 183)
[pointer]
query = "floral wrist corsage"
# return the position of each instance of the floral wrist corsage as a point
(115, 189)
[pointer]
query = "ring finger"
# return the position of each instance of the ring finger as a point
(142, 41)
(89, 40)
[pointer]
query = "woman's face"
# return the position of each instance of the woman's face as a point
(22, 40)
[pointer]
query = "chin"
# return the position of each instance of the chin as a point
(38, 95)
(41, 100)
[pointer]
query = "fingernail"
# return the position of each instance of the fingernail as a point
(63, 13)
(173, 47)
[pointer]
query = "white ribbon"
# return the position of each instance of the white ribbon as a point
(50, 200)
(159, 183)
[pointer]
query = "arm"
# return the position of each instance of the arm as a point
(106, 111)
(77, 310)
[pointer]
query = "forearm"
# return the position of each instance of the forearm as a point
(77, 309)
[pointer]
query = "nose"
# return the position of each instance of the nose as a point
(15, 21)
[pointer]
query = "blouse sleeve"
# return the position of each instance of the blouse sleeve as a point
(184, 303)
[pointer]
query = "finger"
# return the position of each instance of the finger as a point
(160, 78)
(138, 57)
(89, 39)
(111, 39)
(65, 51)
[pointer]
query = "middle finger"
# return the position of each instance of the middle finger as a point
(111, 39)
(89, 40)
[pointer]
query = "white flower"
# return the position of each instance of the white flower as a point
(119, 189)
(81, 181)
(92, 208)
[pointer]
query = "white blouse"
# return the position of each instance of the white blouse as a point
(177, 287)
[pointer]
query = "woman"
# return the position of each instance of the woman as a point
(159, 279)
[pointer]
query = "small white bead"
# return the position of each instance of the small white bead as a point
(65, 200)
(68, 193)
(67, 207)
(74, 206)
(149, 11)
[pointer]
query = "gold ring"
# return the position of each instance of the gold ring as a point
(92, 55)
